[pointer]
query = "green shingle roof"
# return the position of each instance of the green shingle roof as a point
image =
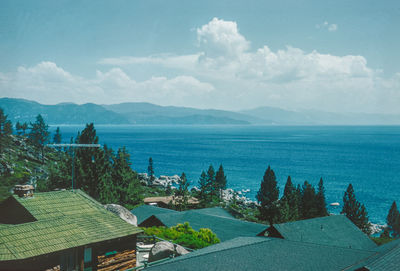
(387, 259)
(145, 211)
(258, 253)
(335, 230)
(224, 228)
(216, 211)
(65, 219)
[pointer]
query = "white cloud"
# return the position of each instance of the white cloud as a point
(328, 26)
(221, 38)
(50, 84)
(332, 27)
(225, 73)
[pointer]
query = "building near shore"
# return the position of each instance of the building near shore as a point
(63, 230)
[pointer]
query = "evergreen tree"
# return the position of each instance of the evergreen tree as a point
(57, 136)
(320, 200)
(181, 194)
(268, 196)
(24, 127)
(211, 184)
(355, 211)
(220, 180)
(18, 128)
(150, 169)
(91, 164)
(39, 134)
(289, 203)
(202, 185)
(308, 201)
(5, 129)
(125, 183)
(393, 220)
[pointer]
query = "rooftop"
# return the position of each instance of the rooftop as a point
(335, 230)
(59, 220)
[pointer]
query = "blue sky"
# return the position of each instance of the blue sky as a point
(326, 55)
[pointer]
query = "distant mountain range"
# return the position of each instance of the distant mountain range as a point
(147, 113)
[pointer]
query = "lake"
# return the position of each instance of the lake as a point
(366, 156)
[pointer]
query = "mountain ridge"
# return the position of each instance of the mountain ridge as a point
(147, 113)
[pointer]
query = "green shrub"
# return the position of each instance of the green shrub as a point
(185, 235)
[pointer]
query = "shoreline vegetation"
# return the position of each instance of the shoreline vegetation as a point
(107, 176)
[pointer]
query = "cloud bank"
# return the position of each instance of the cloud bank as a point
(223, 72)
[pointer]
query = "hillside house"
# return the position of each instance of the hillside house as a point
(64, 230)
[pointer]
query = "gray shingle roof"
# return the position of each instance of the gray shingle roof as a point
(258, 253)
(335, 230)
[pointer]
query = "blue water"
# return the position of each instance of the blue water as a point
(366, 156)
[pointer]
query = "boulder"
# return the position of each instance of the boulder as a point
(123, 213)
(164, 249)
(161, 250)
(180, 250)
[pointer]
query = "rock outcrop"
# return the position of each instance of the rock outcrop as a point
(122, 212)
(164, 249)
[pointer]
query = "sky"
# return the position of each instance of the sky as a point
(337, 56)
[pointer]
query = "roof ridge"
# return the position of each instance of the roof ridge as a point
(323, 245)
(230, 248)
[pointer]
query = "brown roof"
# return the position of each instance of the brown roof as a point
(167, 199)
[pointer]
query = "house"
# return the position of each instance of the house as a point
(64, 230)
(145, 211)
(334, 230)
(168, 200)
(218, 220)
(386, 259)
(302, 245)
(264, 254)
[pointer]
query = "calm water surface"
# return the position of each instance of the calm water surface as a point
(366, 156)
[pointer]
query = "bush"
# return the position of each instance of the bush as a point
(185, 235)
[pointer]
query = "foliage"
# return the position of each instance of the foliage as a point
(220, 180)
(150, 169)
(185, 235)
(57, 136)
(355, 211)
(181, 195)
(320, 200)
(39, 134)
(5, 129)
(268, 196)
(289, 203)
(393, 221)
(308, 201)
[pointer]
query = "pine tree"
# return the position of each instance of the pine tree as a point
(202, 185)
(355, 211)
(211, 184)
(150, 169)
(18, 128)
(268, 196)
(39, 134)
(308, 201)
(320, 200)
(220, 180)
(289, 203)
(5, 129)
(393, 220)
(181, 194)
(57, 136)
(91, 164)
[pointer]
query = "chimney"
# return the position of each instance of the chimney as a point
(24, 191)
